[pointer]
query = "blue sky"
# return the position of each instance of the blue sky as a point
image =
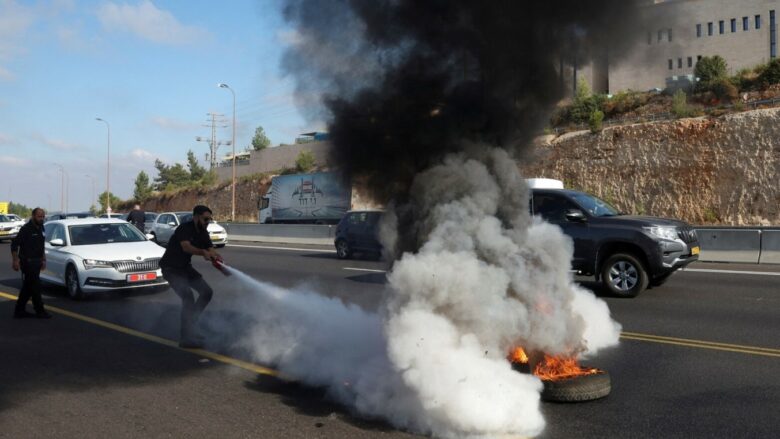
(149, 68)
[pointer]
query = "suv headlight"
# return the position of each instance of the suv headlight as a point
(663, 232)
(94, 263)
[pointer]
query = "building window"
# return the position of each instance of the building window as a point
(733, 25)
(709, 29)
(679, 63)
(660, 35)
(772, 36)
(698, 58)
(690, 62)
(758, 22)
(698, 31)
(669, 34)
(745, 22)
(671, 64)
(721, 27)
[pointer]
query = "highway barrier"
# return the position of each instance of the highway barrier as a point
(718, 244)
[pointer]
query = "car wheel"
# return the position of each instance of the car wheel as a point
(342, 249)
(624, 275)
(72, 283)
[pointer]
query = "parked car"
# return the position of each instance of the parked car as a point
(166, 223)
(626, 253)
(9, 228)
(17, 219)
(95, 254)
(122, 216)
(357, 232)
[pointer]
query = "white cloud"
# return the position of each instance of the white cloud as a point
(173, 124)
(6, 139)
(143, 155)
(57, 144)
(14, 161)
(150, 23)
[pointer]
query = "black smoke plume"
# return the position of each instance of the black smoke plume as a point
(405, 82)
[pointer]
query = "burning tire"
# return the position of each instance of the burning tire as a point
(579, 388)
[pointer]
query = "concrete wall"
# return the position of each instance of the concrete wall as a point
(647, 65)
(274, 158)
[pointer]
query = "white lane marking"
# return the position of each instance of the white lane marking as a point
(365, 269)
(708, 270)
(284, 248)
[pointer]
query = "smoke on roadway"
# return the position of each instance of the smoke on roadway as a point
(432, 103)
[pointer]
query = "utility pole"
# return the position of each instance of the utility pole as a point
(215, 122)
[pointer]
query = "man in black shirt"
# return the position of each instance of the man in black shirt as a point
(28, 255)
(137, 217)
(190, 238)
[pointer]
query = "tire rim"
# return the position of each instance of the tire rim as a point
(623, 276)
(73, 283)
(342, 249)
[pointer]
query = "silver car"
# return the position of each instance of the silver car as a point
(96, 254)
(167, 222)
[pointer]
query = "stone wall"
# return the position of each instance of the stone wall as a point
(273, 159)
(704, 171)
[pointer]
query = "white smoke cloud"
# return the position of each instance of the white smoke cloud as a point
(487, 278)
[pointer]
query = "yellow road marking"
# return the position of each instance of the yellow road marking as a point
(159, 340)
(702, 344)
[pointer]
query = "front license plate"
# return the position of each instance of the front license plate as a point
(695, 251)
(213, 237)
(140, 277)
(5, 233)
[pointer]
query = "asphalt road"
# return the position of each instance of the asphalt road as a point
(700, 357)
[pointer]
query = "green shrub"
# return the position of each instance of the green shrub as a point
(305, 161)
(710, 68)
(680, 106)
(724, 90)
(595, 121)
(771, 74)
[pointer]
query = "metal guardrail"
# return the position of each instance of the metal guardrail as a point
(718, 244)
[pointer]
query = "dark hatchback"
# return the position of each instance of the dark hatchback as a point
(357, 232)
(626, 253)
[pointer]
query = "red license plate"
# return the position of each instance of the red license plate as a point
(140, 277)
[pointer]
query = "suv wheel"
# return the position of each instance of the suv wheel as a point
(342, 249)
(72, 283)
(624, 275)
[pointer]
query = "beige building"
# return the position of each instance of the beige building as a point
(743, 32)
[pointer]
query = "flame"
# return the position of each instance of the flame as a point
(552, 368)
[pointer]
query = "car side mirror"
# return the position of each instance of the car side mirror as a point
(172, 224)
(57, 242)
(149, 236)
(575, 215)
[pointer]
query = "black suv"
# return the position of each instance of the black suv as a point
(357, 233)
(625, 253)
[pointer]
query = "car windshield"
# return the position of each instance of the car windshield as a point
(595, 206)
(184, 217)
(150, 217)
(90, 234)
(4, 218)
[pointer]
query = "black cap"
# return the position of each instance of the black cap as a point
(200, 210)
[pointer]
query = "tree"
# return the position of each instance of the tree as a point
(142, 187)
(305, 161)
(19, 209)
(170, 177)
(115, 201)
(260, 141)
(710, 68)
(197, 172)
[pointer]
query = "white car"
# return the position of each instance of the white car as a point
(95, 254)
(9, 228)
(167, 222)
(17, 219)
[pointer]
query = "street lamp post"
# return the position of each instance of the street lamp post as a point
(233, 208)
(108, 165)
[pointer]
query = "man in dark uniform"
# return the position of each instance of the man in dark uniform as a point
(190, 238)
(28, 255)
(137, 217)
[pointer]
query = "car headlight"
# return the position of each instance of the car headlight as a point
(663, 232)
(95, 263)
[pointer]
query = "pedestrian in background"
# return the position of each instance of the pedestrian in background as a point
(137, 217)
(190, 238)
(28, 256)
